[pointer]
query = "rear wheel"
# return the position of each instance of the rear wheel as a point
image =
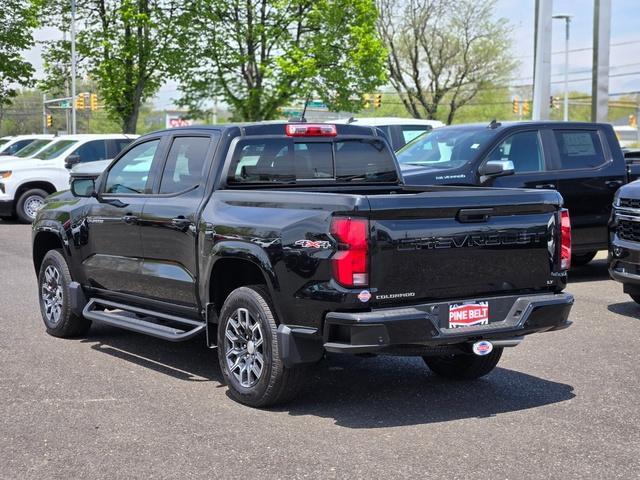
(53, 281)
(29, 203)
(464, 367)
(578, 260)
(248, 350)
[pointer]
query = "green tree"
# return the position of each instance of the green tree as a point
(18, 18)
(260, 55)
(442, 53)
(127, 47)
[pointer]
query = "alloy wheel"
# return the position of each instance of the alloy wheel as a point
(52, 294)
(244, 347)
(32, 204)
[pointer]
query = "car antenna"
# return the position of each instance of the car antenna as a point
(494, 124)
(301, 119)
(351, 120)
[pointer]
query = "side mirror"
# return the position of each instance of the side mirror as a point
(497, 168)
(71, 161)
(83, 187)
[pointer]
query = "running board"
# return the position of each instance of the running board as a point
(126, 318)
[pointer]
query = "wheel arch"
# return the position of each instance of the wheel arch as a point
(237, 268)
(43, 242)
(40, 184)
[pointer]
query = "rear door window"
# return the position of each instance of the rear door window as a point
(185, 164)
(91, 151)
(579, 149)
(281, 160)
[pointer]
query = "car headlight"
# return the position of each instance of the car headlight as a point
(5, 174)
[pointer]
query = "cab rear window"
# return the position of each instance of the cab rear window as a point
(275, 160)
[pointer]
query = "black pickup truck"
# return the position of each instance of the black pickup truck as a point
(583, 161)
(280, 242)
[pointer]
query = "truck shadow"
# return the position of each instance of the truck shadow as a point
(629, 309)
(355, 392)
(594, 270)
(392, 391)
(191, 360)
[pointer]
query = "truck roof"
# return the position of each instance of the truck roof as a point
(272, 128)
(526, 123)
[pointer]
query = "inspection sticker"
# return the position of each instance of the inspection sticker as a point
(468, 314)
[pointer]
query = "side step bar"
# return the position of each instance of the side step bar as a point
(126, 318)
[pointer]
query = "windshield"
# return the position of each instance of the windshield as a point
(32, 148)
(445, 148)
(53, 150)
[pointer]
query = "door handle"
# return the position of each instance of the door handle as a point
(613, 183)
(550, 186)
(130, 219)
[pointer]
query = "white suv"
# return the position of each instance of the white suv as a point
(25, 182)
(11, 145)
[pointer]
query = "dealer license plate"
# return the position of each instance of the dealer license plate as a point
(468, 314)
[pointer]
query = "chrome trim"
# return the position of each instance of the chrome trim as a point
(621, 216)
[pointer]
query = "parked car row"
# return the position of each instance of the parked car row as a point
(41, 167)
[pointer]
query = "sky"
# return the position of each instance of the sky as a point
(624, 55)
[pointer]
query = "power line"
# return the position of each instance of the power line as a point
(584, 49)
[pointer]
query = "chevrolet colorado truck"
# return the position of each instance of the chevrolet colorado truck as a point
(278, 242)
(582, 161)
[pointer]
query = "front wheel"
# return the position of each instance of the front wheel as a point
(29, 203)
(464, 367)
(53, 280)
(248, 350)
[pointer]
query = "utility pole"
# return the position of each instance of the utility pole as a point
(600, 76)
(542, 62)
(567, 22)
(44, 113)
(73, 66)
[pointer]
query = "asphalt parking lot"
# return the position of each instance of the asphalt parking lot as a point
(121, 405)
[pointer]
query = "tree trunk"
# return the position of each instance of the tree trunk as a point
(130, 123)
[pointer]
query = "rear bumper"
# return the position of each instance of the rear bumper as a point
(420, 326)
(417, 330)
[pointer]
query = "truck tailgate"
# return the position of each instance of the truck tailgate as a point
(454, 245)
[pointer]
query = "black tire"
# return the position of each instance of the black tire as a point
(578, 260)
(464, 367)
(635, 298)
(25, 201)
(275, 383)
(66, 324)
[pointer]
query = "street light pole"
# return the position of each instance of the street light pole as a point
(567, 21)
(73, 66)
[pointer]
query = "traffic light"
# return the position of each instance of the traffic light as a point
(515, 105)
(80, 105)
(93, 102)
(525, 108)
(554, 102)
(377, 100)
(366, 100)
(49, 121)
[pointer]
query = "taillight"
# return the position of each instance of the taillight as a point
(350, 262)
(310, 130)
(565, 240)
